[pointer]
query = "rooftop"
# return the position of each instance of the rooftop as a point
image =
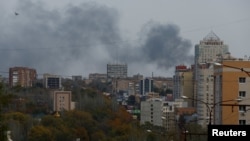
(212, 37)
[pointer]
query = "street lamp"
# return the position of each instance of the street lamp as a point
(149, 130)
(185, 133)
(210, 108)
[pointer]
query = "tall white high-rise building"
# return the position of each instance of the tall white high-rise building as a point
(209, 49)
(206, 53)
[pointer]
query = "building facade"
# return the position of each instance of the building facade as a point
(183, 82)
(232, 81)
(205, 93)
(206, 52)
(61, 101)
(52, 81)
(151, 111)
(146, 86)
(164, 83)
(22, 76)
(160, 112)
(97, 76)
(209, 48)
(117, 70)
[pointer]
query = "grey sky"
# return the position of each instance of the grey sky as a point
(78, 37)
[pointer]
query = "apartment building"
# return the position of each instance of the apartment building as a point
(97, 76)
(206, 52)
(232, 81)
(52, 81)
(151, 111)
(22, 76)
(146, 86)
(160, 112)
(165, 83)
(61, 100)
(117, 70)
(183, 82)
(205, 93)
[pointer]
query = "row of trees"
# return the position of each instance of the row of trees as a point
(25, 112)
(96, 118)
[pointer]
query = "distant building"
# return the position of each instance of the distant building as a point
(117, 70)
(206, 53)
(160, 113)
(77, 78)
(151, 111)
(97, 76)
(62, 100)
(146, 86)
(22, 76)
(209, 48)
(137, 76)
(52, 81)
(129, 85)
(165, 83)
(183, 82)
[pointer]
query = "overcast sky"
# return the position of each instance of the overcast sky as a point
(78, 37)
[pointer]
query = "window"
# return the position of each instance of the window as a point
(242, 80)
(242, 93)
(165, 104)
(242, 122)
(242, 108)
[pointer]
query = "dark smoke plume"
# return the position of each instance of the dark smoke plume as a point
(83, 39)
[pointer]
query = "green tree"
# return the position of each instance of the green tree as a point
(19, 124)
(58, 126)
(40, 133)
(98, 136)
(82, 133)
(4, 100)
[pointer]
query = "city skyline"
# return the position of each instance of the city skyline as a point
(82, 37)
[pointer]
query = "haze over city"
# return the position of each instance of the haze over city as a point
(79, 37)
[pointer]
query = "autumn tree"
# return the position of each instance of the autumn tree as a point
(40, 133)
(19, 124)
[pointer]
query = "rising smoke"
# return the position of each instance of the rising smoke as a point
(83, 39)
